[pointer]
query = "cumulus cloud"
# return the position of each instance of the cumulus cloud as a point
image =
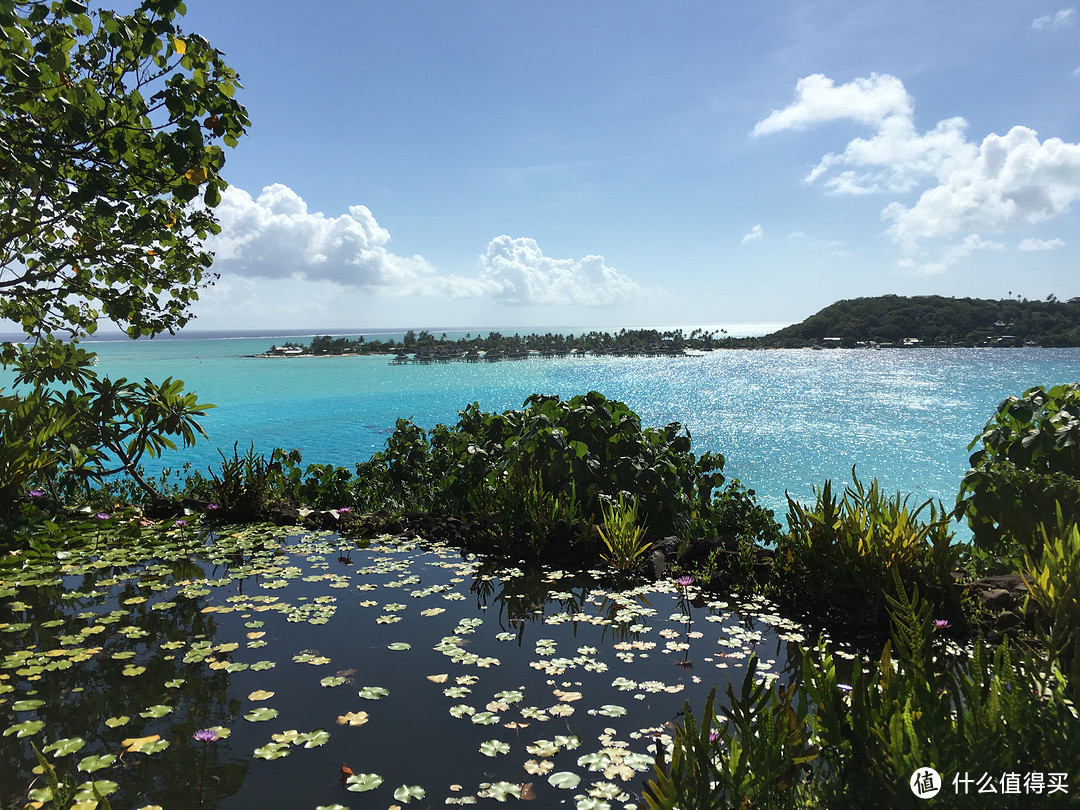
(275, 236)
(966, 188)
(1063, 18)
(1013, 180)
(515, 271)
(1040, 244)
(817, 100)
(754, 235)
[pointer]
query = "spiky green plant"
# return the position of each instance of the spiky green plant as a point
(623, 538)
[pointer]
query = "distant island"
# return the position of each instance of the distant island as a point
(886, 321)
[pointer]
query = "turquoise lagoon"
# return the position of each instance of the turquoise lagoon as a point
(785, 421)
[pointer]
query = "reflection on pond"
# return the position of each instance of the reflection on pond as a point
(272, 671)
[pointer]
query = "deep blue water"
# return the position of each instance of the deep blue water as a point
(784, 420)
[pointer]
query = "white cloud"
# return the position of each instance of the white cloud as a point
(275, 236)
(869, 101)
(1040, 244)
(1007, 181)
(1013, 180)
(754, 235)
(516, 271)
(952, 255)
(1063, 18)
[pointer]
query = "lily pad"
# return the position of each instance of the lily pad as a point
(361, 782)
(406, 793)
(91, 764)
(492, 748)
(567, 780)
(258, 715)
(374, 693)
(65, 746)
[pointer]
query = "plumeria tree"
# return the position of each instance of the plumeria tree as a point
(112, 136)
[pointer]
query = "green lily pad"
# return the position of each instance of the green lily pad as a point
(501, 791)
(374, 693)
(398, 646)
(567, 780)
(485, 718)
(362, 782)
(406, 793)
(26, 705)
(114, 722)
(272, 751)
(261, 714)
(68, 745)
(334, 680)
(611, 710)
(91, 764)
(155, 746)
(155, 712)
(492, 748)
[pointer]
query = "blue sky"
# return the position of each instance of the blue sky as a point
(601, 163)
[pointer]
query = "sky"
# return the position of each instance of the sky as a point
(517, 163)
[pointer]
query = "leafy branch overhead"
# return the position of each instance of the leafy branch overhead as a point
(112, 136)
(111, 126)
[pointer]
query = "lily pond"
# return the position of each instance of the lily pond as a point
(255, 667)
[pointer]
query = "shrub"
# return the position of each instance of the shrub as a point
(1029, 462)
(818, 742)
(845, 557)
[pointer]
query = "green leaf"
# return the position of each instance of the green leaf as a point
(261, 714)
(492, 748)
(406, 793)
(362, 782)
(66, 746)
(91, 764)
(567, 780)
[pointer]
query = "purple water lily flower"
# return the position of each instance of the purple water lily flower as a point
(714, 736)
(35, 494)
(205, 735)
(181, 523)
(685, 581)
(344, 510)
(941, 624)
(211, 507)
(102, 515)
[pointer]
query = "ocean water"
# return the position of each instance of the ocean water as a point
(785, 421)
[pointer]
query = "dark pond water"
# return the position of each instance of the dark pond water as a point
(433, 679)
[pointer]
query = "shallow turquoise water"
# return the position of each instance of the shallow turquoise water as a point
(784, 420)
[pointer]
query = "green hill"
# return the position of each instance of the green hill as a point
(936, 321)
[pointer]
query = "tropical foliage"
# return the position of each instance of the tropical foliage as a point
(110, 126)
(1026, 470)
(844, 557)
(821, 742)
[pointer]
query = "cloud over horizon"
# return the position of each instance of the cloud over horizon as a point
(516, 271)
(967, 189)
(275, 237)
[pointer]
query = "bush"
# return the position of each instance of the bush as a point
(845, 557)
(818, 742)
(1029, 462)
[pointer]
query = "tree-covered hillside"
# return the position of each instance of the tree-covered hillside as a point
(937, 321)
